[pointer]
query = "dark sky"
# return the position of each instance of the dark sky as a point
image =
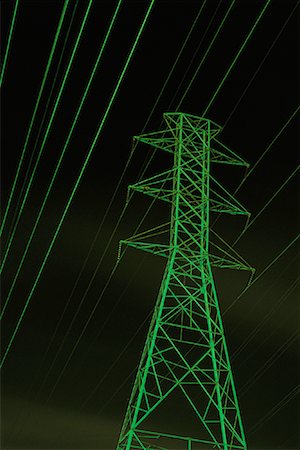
(83, 406)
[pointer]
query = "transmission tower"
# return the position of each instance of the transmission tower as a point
(185, 368)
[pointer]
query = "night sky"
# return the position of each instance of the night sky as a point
(49, 399)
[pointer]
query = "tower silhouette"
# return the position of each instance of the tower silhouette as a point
(185, 367)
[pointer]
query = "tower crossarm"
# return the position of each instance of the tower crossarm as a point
(225, 155)
(162, 140)
(164, 250)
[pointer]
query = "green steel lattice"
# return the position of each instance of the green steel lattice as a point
(185, 350)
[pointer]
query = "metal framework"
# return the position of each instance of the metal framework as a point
(185, 364)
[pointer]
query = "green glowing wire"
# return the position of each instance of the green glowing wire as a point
(13, 20)
(83, 98)
(58, 31)
(248, 173)
(194, 55)
(72, 128)
(263, 272)
(206, 53)
(129, 57)
(78, 340)
(268, 148)
(275, 409)
(174, 65)
(267, 204)
(260, 65)
(46, 110)
(236, 57)
(268, 363)
(270, 313)
(47, 133)
(81, 104)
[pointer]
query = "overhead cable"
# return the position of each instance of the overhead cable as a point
(236, 57)
(49, 62)
(57, 102)
(74, 123)
(9, 39)
(82, 171)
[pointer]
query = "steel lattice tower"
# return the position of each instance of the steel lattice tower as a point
(185, 362)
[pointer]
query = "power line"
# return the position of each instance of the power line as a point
(249, 224)
(236, 57)
(269, 362)
(194, 56)
(117, 359)
(49, 62)
(131, 374)
(267, 204)
(276, 354)
(206, 53)
(249, 172)
(283, 445)
(46, 110)
(80, 336)
(259, 326)
(268, 148)
(274, 260)
(146, 165)
(47, 131)
(260, 65)
(74, 123)
(80, 176)
(12, 25)
(175, 63)
(135, 145)
(276, 408)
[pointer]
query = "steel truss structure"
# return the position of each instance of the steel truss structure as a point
(185, 363)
